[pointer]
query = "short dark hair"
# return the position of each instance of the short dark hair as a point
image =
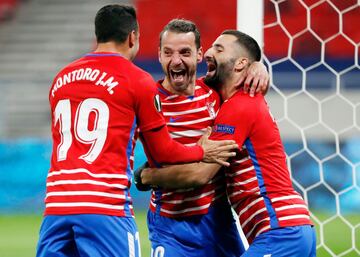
(182, 26)
(114, 23)
(247, 42)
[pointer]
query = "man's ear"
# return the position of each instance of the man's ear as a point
(159, 53)
(132, 38)
(200, 55)
(241, 63)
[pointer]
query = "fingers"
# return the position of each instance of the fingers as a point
(208, 132)
(247, 83)
(254, 86)
(226, 155)
(227, 148)
(223, 142)
(262, 86)
(222, 162)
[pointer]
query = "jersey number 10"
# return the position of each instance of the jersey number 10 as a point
(95, 137)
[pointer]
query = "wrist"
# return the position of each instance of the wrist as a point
(145, 176)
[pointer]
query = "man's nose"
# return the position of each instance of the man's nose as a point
(176, 59)
(207, 54)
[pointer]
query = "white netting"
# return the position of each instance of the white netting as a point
(312, 51)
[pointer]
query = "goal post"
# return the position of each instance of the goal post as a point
(250, 17)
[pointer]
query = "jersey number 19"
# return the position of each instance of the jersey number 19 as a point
(96, 137)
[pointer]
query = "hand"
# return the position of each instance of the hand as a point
(255, 76)
(137, 178)
(217, 151)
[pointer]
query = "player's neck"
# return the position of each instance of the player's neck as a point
(111, 47)
(228, 88)
(188, 91)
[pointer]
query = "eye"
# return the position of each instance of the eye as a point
(186, 53)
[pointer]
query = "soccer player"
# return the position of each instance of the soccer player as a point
(96, 103)
(191, 222)
(273, 216)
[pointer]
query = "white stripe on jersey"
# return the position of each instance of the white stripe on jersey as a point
(187, 133)
(86, 204)
(262, 230)
(218, 196)
(254, 190)
(275, 199)
(190, 122)
(254, 227)
(190, 198)
(96, 193)
(82, 170)
(250, 205)
(185, 112)
(192, 144)
(293, 206)
(252, 216)
(242, 160)
(240, 172)
(299, 216)
(190, 100)
(242, 182)
(186, 210)
(84, 181)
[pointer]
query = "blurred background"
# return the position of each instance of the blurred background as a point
(311, 48)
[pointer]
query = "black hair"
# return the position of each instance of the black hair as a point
(247, 42)
(114, 23)
(182, 26)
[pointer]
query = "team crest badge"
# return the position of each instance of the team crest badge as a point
(157, 103)
(211, 110)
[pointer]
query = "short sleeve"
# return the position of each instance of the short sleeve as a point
(235, 120)
(147, 104)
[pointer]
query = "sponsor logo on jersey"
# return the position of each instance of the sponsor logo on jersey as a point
(223, 128)
(157, 103)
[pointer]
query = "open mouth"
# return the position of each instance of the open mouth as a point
(178, 75)
(211, 66)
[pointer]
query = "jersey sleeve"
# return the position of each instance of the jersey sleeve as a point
(147, 104)
(235, 120)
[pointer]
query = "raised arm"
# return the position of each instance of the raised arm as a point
(255, 79)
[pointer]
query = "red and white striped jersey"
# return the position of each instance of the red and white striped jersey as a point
(96, 103)
(258, 181)
(187, 118)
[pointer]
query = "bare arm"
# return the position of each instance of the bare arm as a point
(180, 176)
(161, 148)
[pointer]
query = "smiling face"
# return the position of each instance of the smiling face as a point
(179, 57)
(220, 59)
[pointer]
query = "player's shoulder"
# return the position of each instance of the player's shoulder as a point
(203, 88)
(72, 65)
(241, 102)
(201, 83)
(244, 99)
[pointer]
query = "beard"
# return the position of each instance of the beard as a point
(223, 72)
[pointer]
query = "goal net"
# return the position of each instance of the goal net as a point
(311, 48)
